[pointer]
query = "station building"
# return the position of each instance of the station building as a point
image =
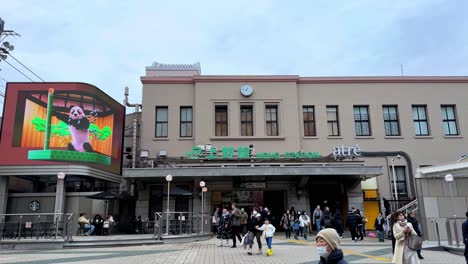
(285, 141)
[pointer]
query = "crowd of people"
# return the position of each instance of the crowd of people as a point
(96, 226)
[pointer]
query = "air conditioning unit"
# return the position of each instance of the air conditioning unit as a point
(162, 154)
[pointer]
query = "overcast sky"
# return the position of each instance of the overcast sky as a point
(108, 43)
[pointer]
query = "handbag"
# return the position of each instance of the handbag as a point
(414, 242)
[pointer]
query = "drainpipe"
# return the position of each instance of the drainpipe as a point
(395, 153)
(135, 125)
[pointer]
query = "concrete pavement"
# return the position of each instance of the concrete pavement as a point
(285, 251)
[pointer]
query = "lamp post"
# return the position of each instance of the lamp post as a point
(395, 177)
(449, 178)
(202, 185)
(168, 179)
(59, 200)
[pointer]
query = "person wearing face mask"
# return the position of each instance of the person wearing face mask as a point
(253, 224)
(328, 247)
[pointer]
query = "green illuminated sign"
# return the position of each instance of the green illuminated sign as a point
(244, 152)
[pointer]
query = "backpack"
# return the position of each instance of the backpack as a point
(327, 221)
(317, 214)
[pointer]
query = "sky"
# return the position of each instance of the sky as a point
(109, 43)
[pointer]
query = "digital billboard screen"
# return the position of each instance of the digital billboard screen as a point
(57, 123)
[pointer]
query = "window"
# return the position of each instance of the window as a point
(361, 121)
(308, 114)
(186, 119)
(400, 172)
(271, 120)
(221, 120)
(391, 124)
(246, 120)
(332, 121)
(161, 121)
(420, 120)
(450, 120)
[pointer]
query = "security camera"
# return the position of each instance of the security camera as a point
(398, 156)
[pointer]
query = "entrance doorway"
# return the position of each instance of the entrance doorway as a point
(276, 202)
(331, 195)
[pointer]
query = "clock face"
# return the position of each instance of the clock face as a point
(246, 90)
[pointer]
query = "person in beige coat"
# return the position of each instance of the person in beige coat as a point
(403, 254)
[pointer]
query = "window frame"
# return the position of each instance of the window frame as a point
(307, 122)
(337, 121)
(162, 123)
(448, 121)
(222, 122)
(390, 121)
(247, 122)
(268, 116)
(185, 122)
(419, 120)
(400, 181)
(361, 122)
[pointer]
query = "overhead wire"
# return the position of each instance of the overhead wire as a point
(25, 67)
(18, 70)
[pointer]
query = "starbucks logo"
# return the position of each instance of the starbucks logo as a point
(34, 205)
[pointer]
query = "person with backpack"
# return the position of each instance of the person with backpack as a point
(317, 218)
(327, 220)
(352, 222)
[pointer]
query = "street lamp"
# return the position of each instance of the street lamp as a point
(449, 178)
(395, 177)
(168, 179)
(202, 185)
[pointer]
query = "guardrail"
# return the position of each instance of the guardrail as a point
(180, 223)
(40, 226)
(452, 229)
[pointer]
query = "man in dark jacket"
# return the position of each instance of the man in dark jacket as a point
(352, 221)
(236, 216)
(252, 225)
(415, 224)
(328, 247)
(465, 237)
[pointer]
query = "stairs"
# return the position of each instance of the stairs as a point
(109, 242)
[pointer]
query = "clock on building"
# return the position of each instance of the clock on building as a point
(246, 90)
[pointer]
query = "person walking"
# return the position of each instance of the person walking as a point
(253, 224)
(465, 236)
(401, 230)
(379, 227)
(244, 220)
(328, 247)
(352, 221)
(338, 219)
(412, 219)
(327, 220)
(215, 221)
(224, 228)
(360, 223)
(268, 231)
(236, 216)
(286, 224)
(303, 222)
(317, 217)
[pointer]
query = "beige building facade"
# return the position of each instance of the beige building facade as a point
(197, 127)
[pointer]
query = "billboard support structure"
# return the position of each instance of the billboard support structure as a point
(50, 105)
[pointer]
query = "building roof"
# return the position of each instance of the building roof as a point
(302, 80)
(156, 66)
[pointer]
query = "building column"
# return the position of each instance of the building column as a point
(3, 194)
(355, 198)
(60, 195)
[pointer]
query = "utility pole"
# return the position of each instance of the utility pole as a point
(135, 125)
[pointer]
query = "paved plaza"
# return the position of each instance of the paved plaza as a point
(285, 251)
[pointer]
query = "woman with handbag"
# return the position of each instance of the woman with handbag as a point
(405, 235)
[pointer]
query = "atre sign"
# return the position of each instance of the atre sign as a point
(340, 152)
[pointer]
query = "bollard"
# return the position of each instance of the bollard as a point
(449, 232)
(457, 241)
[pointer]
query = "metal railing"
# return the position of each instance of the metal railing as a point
(452, 229)
(180, 223)
(38, 226)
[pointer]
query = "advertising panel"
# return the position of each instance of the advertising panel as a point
(61, 123)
